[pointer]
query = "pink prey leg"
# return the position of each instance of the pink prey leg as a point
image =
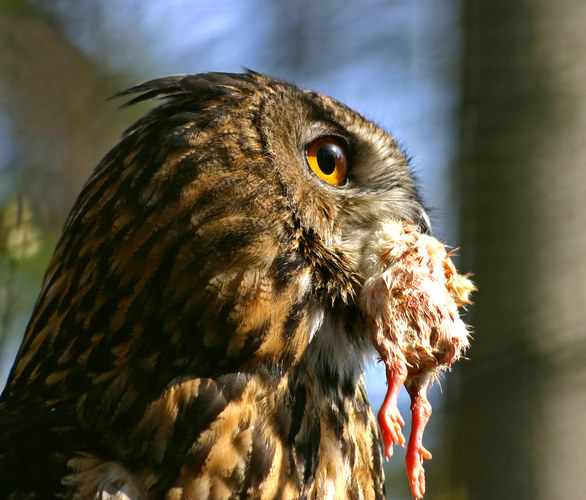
(389, 417)
(421, 411)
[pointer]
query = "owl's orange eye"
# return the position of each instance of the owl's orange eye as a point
(327, 158)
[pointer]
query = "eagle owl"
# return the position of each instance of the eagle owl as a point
(199, 334)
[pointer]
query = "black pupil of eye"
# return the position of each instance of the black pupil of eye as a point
(326, 158)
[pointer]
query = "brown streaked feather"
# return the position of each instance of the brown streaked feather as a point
(197, 334)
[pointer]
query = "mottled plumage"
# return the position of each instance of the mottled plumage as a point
(198, 333)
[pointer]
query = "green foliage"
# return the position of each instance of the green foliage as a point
(14, 5)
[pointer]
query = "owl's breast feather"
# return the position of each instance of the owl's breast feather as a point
(411, 297)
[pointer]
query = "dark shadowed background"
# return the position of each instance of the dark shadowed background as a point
(487, 98)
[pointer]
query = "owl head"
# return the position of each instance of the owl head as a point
(224, 233)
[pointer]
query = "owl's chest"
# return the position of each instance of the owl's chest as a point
(300, 444)
(308, 432)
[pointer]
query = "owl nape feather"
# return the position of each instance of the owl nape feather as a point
(200, 331)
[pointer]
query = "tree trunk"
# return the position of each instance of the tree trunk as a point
(519, 423)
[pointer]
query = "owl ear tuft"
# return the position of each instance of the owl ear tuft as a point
(200, 86)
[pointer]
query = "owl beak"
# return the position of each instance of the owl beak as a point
(423, 221)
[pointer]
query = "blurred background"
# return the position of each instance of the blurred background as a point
(487, 98)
